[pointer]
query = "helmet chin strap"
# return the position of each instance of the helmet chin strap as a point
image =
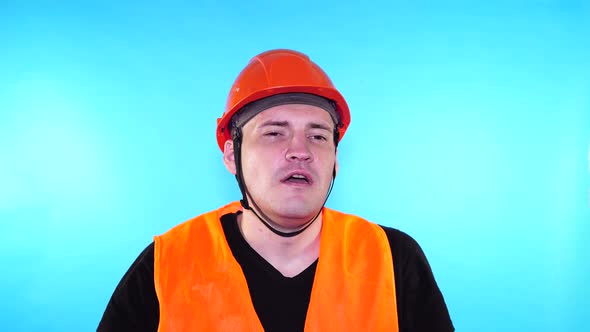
(266, 221)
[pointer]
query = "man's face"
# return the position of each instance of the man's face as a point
(288, 155)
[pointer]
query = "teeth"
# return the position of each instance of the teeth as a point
(298, 176)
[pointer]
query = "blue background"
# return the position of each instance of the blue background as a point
(470, 131)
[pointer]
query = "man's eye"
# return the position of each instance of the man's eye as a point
(319, 137)
(272, 133)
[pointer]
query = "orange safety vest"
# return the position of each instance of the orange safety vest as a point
(201, 287)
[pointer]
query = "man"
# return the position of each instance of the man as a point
(279, 260)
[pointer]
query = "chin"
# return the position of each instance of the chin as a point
(297, 210)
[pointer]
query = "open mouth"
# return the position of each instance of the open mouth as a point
(297, 178)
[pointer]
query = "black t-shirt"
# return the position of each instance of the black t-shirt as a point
(281, 302)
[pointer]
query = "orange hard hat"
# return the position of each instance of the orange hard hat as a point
(276, 72)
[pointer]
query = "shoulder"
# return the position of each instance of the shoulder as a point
(421, 304)
(410, 264)
(134, 304)
(143, 264)
(201, 221)
(401, 242)
(408, 256)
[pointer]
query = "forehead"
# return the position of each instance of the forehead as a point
(295, 114)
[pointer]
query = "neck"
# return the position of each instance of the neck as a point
(289, 255)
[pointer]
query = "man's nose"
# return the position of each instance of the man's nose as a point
(298, 150)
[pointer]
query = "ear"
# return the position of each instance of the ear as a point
(336, 162)
(228, 156)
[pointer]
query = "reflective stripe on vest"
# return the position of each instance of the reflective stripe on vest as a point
(201, 287)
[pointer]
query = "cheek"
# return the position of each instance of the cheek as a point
(330, 167)
(260, 164)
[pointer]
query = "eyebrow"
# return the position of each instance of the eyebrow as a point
(313, 125)
(320, 126)
(274, 123)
